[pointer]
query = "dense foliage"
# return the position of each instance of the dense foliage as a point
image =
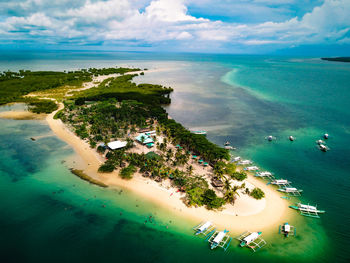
(42, 106)
(257, 193)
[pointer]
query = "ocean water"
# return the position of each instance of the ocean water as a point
(47, 214)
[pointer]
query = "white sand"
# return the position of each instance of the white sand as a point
(246, 214)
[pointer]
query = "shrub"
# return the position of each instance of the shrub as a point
(107, 167)
(257, 193)
(239, 176)
(211, 200)
(127, 172)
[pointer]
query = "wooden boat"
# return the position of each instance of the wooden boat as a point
(251, 240)
(251, 168)
(307, 210)
(287, 230)
(220, 239)
(200, 132)
(280, 182)
(290, 190)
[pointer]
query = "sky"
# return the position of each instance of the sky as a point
(226, 26)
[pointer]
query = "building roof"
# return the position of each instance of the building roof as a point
(116, 145)
(147, 139)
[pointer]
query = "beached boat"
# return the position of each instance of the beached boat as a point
(252, 240)
(204, 228)
(251, 168)
(245, 162)
(229, 147)
(291, 191)
(220, 239)
(263, 174)
(200, 132)
(282, 182)
(236, 159)
(307, 210)
(287, 230)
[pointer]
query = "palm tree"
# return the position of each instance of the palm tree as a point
(142, 142)
(189, 169)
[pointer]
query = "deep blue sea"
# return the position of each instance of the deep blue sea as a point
(49, 215)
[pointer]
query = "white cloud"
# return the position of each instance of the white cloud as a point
(158, 21)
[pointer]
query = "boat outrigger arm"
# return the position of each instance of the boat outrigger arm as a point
(220, 239)
(291, 191)
(251, 240)
(204, 228)
(287, 230)
(307, 210)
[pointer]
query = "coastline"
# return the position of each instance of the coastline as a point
(263, 215)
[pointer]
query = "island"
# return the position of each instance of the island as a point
(127, 139)
(338, 59)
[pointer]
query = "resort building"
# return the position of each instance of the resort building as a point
(116, 145)
(145, 139)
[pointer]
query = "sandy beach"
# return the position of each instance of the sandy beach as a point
(247, 213)
(21, 115)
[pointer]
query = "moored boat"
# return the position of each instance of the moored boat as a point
(250, 238)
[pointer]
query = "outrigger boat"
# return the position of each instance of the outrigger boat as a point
(251, 168)
(220, 239)
(291, 191)
(204, 228)
(326, 136)
(279, 182)
(263, 174)
(236, 159)
(291, 138)
(308, 210)
(287, 230)
(200, 132)
(251, 240)
(319, 142)
(245, 162)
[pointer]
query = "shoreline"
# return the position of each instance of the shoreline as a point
(266, 216)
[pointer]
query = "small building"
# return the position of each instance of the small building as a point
(150, 133)
(116, 145)
(144, 138)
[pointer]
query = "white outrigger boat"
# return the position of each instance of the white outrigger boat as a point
(287, 230)
(291, 191)
(252, 168)
(236, 159)
(220, 239)
(265, 174)
(308, 210)
(204, 228)
(280, 182)
(199, 132)
(245, 162)
(251, 240)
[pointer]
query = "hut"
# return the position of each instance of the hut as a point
(116, 145)
(216, 182)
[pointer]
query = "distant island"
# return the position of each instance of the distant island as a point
(338, 59)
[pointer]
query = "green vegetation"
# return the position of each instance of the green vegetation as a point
(85, 177)
(127, 172)
(107, 167)
(15, 85)
(257, 193)
(41, 106)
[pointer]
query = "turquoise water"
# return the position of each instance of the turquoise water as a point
(50, 215)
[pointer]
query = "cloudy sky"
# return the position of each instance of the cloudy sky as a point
(234, 26)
